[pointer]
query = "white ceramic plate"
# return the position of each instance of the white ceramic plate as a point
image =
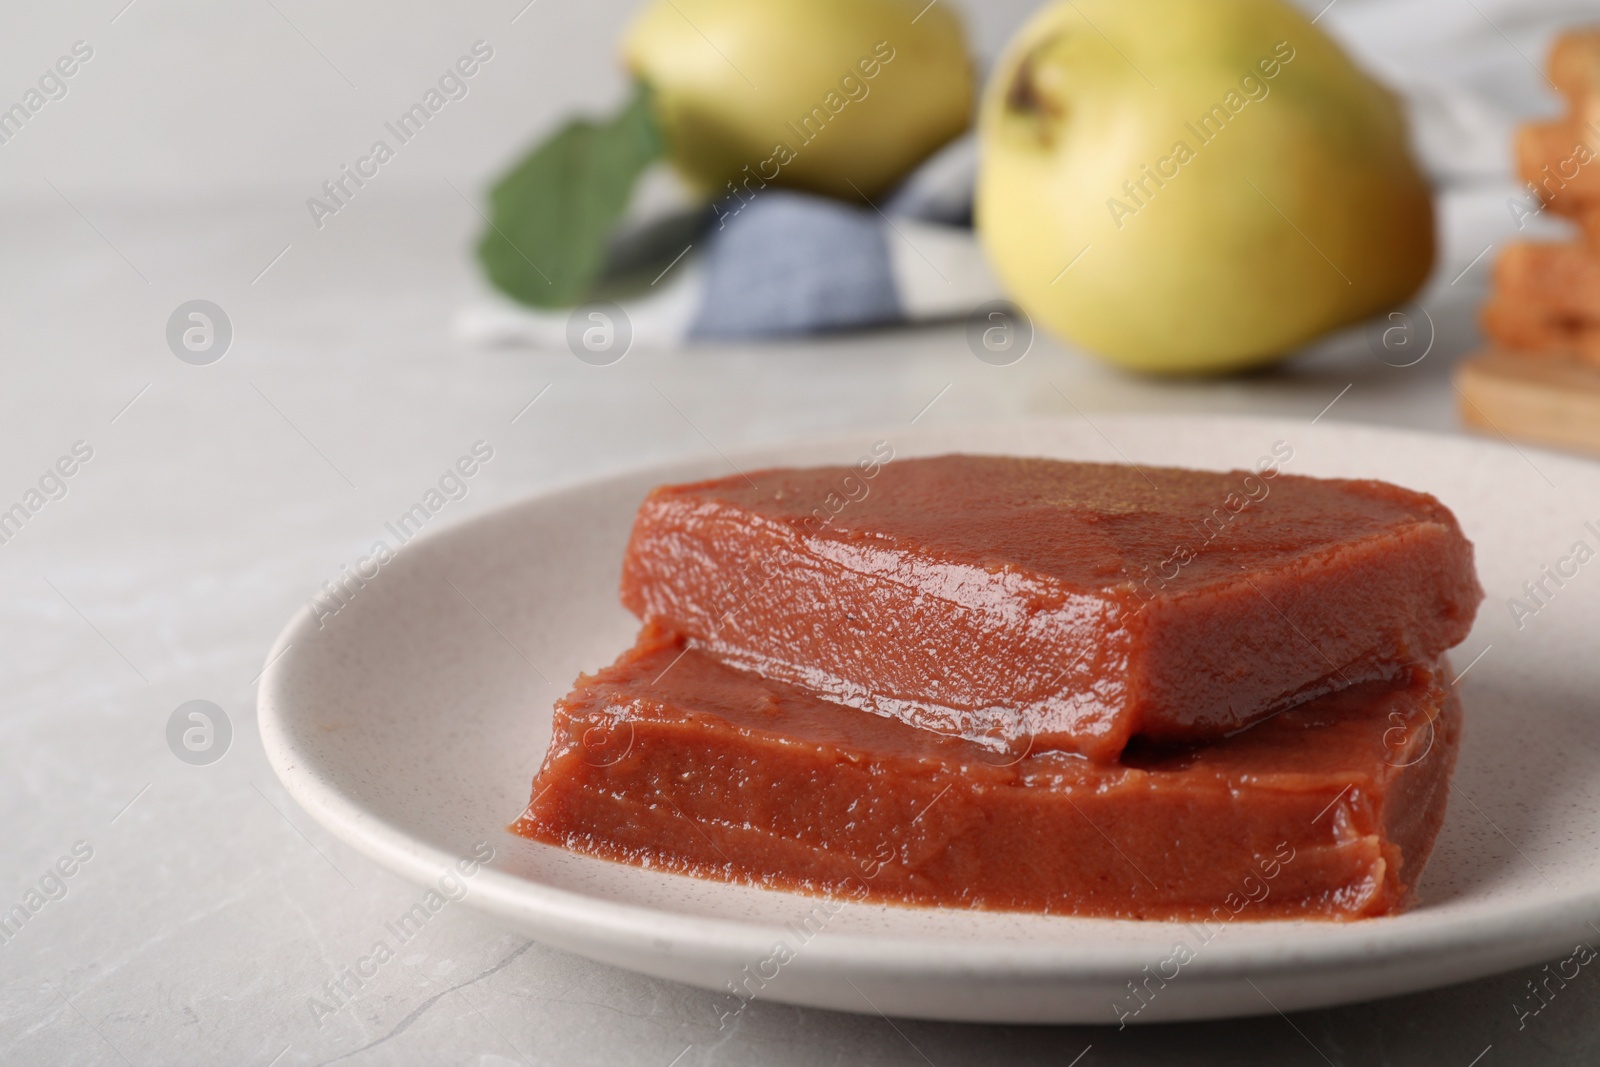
(411, 722)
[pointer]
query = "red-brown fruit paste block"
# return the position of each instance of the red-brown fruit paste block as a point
(1038, 604)
(1325, 811)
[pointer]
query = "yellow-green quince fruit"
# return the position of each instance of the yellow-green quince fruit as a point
(841, 97)
(1191, 186)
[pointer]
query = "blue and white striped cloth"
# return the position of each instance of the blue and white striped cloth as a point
(784, 263)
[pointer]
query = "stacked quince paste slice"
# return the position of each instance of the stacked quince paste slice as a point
(1546, 294)
(985, 681)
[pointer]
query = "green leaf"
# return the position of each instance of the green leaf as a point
(550, 216)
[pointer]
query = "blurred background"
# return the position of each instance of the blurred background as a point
(177, 167)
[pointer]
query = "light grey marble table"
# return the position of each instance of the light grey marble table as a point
(211, 911)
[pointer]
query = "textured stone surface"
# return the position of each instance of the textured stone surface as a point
(213, 909)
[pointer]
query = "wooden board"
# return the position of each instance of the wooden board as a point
(1531, 397)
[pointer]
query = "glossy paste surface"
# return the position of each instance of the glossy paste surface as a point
(1034, 604)
(669, 759)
